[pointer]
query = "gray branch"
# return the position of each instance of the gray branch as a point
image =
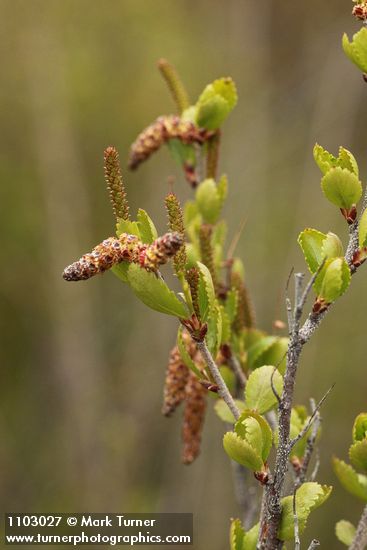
(360, 540)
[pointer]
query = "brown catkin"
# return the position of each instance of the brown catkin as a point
(193, 421)
(175, 383)
(245, 317)
(206, 250)
(115, 184)
(160, 251)
(176, 223)
(158, 133)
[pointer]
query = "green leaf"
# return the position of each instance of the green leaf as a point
(308, 497)
(231, 304)
(362, 230)
(332, 246)
(208, 201)
(345, 532)
(258, 349)
(360, 427)
(341, 187)
(126, 226)
(333, 279)
(214, 333)
(192, 255)
(356, 50)
(120, 270)
(358, 455)
(258, 392)
(185, 356)
(251, 537)
(354, 483)
(222, 189)
(240, 451)
(147, 230)
(276, 354)
(298, 422)
(182, 153)
(222, 410)
(236, 535)
(244, 427)
(326, 160)
(310, 241)
(154, 292)
(215, 103)
(206, 292)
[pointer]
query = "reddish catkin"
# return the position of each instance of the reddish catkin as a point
(158, 133)
(175, 383)
(193, 421)
(160, 251)
(110, 252)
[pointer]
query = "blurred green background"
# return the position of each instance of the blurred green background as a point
(83, 365)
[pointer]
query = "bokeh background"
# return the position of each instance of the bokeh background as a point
(83, 365)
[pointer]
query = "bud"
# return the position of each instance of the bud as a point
(162, 130)
(104, 256)
(175, 223)
(160, 251)
(194, 415)
(115, 184)
(176, 378)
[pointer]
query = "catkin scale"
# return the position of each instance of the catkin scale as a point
(158, 133)
(160, 251)
(175, 383)
(193, 421)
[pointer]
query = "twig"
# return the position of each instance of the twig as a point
(360, 539)
(306, 428)
(301, 477)
(316, 467)
(298, 284)
(302, 301)
(297, 542)
(289, 304)
(314, 544)
(234, 363)
(215, 372)
(273, 388)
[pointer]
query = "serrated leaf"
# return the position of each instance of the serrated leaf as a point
(251, 538)
(222, 410)
(358, 455)
(326, 160)
(333, 279)
(356, 50)
(208, 201)
(258, 392)
(147, 230)
(127, 226)
(243, 428)
(215, 103)
(345, 532)
(231, 304)
(240, 451)
(214, 332)
(354, 483)
(276, 354)
(360, 427)
(236, 535)
(154, 292)
(229, 377)
(258, 349)
(192, 255)
(308, 497)
(185, 356)
(332, 246)
(341, 187)
(226, 326)
(310, 241)
(206, 292)
(362, 230)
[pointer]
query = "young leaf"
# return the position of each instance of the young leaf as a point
(326, 160)
(236, 535)
(310, 241)
(276, 354)
(120, 270)
(258, 392)
(231, 304)
(308, 497)
(354, 483)
(240, 451)
(332, 246)
(244, 428)
(206, 291)
(214, 333)
(356, 50)
(127, 226)
(341, 187)
(362, 230)
(360, 427)
(333, 279)
(345, 532)
(222, 410)
(358, 455)
(208, 201)
(258, 349)
(154, 292)
(215, 103)
(222, 189)
(147, 230)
